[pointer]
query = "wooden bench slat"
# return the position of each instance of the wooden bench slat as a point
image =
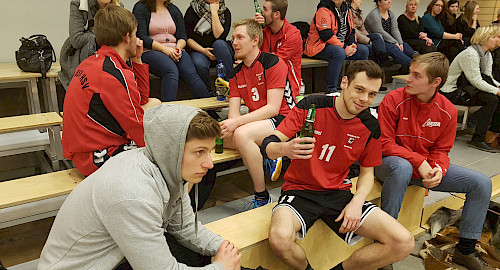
(227, 155)
(39, 187)
(30, 121)
(202, 103)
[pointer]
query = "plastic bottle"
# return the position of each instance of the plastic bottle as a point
(221, 73)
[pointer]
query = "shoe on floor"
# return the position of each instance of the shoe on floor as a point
(274, 168)
(472, 261)
(256, 202)
(482, 146)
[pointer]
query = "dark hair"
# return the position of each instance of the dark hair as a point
(203, 126)
(151, 4)
(112, 23)
(281, 6)
(372, 70)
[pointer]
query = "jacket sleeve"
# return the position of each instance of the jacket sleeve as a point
(388, 118)
(431, 27)
(78, 36)
(137, 228)
(190, 19)
(470, 65)
(141, 72)
(180, 31)
(226, 25)
(438, 154)
(182, 227)
(124, 103)
(291, 47)
(361, 31)
(394, 28)
(373, 23)
(324, 26)
(142, 15)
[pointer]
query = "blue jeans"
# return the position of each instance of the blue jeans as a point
(401, 57)
(335, 55)
(223, 52)
(377, 44)
(396, 174)
(164, 67)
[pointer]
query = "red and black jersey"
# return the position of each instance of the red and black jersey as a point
(268, 71)
(339, 143)
(287, 44)
(102, 107)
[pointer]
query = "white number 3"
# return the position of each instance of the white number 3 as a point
(255, 94)
(330, 152)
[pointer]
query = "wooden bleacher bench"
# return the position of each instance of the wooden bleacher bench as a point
(27, 138)
(324, 249)
(399, 79)
(209, 103)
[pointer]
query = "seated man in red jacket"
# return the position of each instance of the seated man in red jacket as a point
(106, 98)
(418, 126)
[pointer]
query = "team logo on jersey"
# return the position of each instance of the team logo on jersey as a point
(259, 77)
(242, 86)
(350, 141)
(429, 123)
(279, 44)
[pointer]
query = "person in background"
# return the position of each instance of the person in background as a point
(161, 27)
(467, 22)
(332, 38)
(411, 31)
(449, 16)
(207, 25)
(498, 17)
(282, 38)
(374, 42)
(473, 68)
(450, 44)
(383, 21)
(106, 99)
(81, 41)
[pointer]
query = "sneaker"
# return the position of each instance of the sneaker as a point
(472, 261)
(274, 168)
(256, 202)
(482, 146)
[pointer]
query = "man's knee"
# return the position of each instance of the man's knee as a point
(402, 244)
(483, 186)
(281, 240)
(240, 136)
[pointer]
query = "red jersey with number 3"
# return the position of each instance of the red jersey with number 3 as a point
(339, 143)
(268, 71)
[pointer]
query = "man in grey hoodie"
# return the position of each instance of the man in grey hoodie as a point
(137, 199)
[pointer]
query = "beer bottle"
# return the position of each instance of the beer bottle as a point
(219, 144)
(258, 10)
(308, 127)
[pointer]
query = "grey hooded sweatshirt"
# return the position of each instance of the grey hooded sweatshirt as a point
(123, 209)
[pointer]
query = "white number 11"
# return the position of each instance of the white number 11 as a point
(330, 152)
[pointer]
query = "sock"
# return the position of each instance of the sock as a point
(338, 267)
(466, 246)
(263, 194)
(309, 266)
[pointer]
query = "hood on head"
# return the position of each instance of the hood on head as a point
(165, 130)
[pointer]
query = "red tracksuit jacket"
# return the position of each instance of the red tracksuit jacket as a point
(418, 131)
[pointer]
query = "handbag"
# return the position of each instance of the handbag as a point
(36, 54)
(466, 91)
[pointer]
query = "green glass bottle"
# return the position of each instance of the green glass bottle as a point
(258, 10)
(219, 144)
(307, 129)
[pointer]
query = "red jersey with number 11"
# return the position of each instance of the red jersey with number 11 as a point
(339, 143)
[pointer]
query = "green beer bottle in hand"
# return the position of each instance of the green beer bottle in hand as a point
(258, 10)
(219, 144)
(307, 129)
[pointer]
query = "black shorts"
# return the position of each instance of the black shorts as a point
(309, 205)
(275, 121)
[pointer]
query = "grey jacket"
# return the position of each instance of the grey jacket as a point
(122, 209)
(373, 23)
(81, 41)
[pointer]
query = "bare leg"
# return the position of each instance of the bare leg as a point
(393, 243)
(151, 103)
(284, 226)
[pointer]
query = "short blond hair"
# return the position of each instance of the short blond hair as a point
(112, 23)
(253, 28)
(437, 66)
(408, 2)
(484, 33)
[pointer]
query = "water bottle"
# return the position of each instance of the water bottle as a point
(221, 73)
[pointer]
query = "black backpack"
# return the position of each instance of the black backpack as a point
(304, 31)
(36, 54)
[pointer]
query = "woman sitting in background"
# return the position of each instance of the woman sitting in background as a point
(449, 16)
(81, 41)
(411, 31)
(383, 21)
(207, 24)
(449, 44)
(467, 22)
(161, 27)
(470, 83)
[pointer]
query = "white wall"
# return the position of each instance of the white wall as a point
(22, 18)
